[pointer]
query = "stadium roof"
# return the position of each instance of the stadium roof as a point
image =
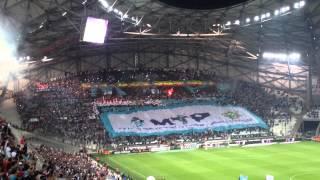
(54, 27)
(203, 4)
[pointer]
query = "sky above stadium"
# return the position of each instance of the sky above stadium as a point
(202, 4)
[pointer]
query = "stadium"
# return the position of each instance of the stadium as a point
(160, 89)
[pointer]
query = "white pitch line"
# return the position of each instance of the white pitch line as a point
(296, 175)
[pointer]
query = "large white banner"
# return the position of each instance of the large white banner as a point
(183, 119)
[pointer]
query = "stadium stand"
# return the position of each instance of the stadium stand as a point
(90, 79)
(63, 108)
(19, 161)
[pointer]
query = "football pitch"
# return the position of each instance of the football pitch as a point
(300, 161)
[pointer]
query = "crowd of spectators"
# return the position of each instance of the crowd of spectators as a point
(113, 76)
(16, 162)
(314, 113)
(62, 107)
(77, 166)
(20, 162)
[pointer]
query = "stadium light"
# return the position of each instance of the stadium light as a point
(228, 23)
(256, 18)
(284, 9)
(276, 12)
(268, 15)
(282, 56)
(104, 3)
(110, 9)
(237, 22)
(248, 20)
(64, 13)
(116, 11)
(299, 4)
(295, 56)
(46, 59)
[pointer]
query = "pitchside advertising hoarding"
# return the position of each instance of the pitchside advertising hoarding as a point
(179, 119)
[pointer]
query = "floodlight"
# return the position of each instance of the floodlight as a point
(104, 3)
(248, 20)
(294, 56)
(95, 30)
(276, 12)
(228, 23)
(64, 13)
(256, 18)
(285, 9)
(299, 4)
(237, 22)
(263, 16)
(268, 15)
(282, 56)
(46, 59)
(110, 9)
(116, 11)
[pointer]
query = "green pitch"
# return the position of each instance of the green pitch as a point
(299, 161)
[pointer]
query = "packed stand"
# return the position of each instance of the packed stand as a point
(63, 108)
(77, 166)
(314, 113)
(17, 162)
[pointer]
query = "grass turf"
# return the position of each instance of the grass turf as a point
(299, 161)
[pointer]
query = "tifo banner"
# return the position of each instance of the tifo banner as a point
(179, 119)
